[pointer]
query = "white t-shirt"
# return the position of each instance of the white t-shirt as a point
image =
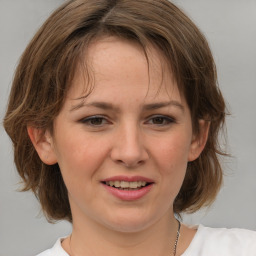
(207, 242)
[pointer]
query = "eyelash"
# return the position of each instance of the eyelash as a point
(167, 120)
(87, 120)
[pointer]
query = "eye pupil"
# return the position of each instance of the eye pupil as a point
(158, 120)
(96, 121)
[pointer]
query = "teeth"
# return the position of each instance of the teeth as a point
(134, 184)
(126, 184)
(117, 183)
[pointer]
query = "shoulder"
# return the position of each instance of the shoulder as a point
(56, 250)
(45, 253)
(225, 233)
(222, 241)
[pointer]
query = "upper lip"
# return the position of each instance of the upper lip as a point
(128, 178)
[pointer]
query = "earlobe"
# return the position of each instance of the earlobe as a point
(199, 140)
(43, 144)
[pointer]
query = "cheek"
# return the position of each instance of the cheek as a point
(78, 155)
(173, 153)
(172, 157)
(79, 160)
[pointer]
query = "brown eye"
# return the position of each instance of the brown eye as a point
(158, 120)
(161, 120)
(94, 121)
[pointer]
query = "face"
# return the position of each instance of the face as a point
(123, 150)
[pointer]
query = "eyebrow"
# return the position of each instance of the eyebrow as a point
(158, 105)
(97, 104)
(110, 106)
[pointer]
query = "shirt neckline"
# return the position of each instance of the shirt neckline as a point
(58, 247)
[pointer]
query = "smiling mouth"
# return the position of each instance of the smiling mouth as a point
(127, 185)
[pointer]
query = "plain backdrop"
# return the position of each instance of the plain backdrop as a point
(230, 26)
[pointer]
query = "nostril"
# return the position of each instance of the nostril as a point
(130, 163)
(129, 152)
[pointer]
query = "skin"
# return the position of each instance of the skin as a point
(133, 133)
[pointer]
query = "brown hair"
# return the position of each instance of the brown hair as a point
(47, 67)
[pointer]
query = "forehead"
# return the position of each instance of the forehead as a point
(113, 62)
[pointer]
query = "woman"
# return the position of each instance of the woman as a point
(114, 115)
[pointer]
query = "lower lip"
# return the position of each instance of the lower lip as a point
(129, 195)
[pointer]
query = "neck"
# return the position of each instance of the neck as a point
(91, 238)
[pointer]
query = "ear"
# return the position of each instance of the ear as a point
(199, 140)
(43, 144)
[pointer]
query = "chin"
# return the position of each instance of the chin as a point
(130, 223)
(131, 227)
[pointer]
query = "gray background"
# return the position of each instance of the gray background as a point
(230, 26)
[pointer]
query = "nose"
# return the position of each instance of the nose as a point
(128, 148)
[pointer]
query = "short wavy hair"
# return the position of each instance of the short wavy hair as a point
(47, 67)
